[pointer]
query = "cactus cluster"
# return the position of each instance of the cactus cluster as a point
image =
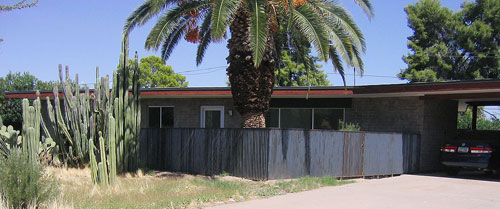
(71, 121)
(102, 157)
(127, 111)
(29, 140)
(102, 127)
(120, 135)
(9, 138)
(33, 142)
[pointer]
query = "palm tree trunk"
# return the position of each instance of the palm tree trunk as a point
(251, 87)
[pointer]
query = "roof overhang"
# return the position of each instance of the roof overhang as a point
(456, 90)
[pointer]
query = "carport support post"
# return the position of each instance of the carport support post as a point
(474, 117)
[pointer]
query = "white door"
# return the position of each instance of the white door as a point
(212, 117)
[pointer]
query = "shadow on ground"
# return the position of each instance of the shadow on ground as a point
(471, 175)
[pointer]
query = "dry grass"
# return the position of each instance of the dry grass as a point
(168, 190)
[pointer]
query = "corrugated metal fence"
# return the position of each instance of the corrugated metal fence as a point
(279, 153)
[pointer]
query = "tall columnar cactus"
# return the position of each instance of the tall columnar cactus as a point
(103, 132)
(31, 129)
(127, 111)
(33, 144)
(70, 124)
(101, 127)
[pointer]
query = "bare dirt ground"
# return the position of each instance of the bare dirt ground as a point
(468, 190)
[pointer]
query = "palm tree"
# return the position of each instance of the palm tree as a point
(259, 29)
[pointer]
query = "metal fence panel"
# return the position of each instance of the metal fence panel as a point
(287, 154)
(326, 148)
(383, 154)
(353, 154)
(411, 153)
(278, 153)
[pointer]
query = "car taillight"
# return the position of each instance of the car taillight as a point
(448, 149)
(481, 150)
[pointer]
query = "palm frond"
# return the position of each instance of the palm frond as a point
(310, 26)
(172, 40)
(223, 12)
(341, 43)
(290, 15)
(356, 61)
(337, 64)
(366, 6)
(163, 28)
(143, 13)
(258, 29)
(206, 37)
(169, 22)
(337, 16)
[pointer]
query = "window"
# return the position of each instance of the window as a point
(306, 118)
(328, 118)
(272, 118)
(161, 117)
(212, 117)
(296, 118)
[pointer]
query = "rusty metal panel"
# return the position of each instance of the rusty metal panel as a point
(249, 153)
(275, 156)
(353, 154)
(143, 148)
(383, 154)
(278, 153)
(287, 154)
(411, 153)
(326, 151)
(175, 149)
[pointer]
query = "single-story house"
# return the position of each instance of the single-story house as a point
(427, 109)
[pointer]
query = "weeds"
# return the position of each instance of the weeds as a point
(24, 184)
(167, 190)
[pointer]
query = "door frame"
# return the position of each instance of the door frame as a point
(205, 108)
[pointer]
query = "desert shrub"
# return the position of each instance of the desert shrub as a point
(23, 183)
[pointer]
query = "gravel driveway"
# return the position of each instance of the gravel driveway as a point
(405, 191)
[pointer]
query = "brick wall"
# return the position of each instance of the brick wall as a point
(392, 114)
(187, 112)
(440, 125)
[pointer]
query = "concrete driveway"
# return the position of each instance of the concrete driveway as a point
(405, 191)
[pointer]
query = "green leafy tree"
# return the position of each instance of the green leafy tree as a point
(154, 73)
(483, 123)
(479, 38)
(253, 24)
(11, 109)
(295, 74)
(453, 46)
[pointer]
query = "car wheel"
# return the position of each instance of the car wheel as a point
(452, 171)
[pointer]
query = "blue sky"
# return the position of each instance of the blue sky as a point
(86, 34)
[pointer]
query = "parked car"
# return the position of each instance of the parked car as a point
(471, 155)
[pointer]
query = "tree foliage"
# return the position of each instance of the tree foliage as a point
(19, 5)
(453, 46)
(154, 73)
(483, 123)
(10, 109)
(325, 25)
(295, 74)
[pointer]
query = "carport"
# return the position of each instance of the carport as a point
(429, 109)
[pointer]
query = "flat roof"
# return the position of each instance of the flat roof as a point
(460, 90)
